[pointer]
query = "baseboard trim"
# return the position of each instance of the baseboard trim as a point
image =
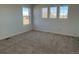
(14, 35)
(55, 33)
(36, 30)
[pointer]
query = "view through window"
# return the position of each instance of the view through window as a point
(53, 12)
(44, 12)
(25, 16)
(63, 12)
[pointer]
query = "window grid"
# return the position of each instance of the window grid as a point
(60, 12)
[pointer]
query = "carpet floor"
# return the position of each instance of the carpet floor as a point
(37, 42)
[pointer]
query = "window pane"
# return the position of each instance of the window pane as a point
(63, 12)
(44, 12)
(53, 12)
(26, 16)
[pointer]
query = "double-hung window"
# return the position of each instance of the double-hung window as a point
(26, 15)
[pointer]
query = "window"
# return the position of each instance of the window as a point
(44, 12)
(63, 12)
(53, 12)
(26, 15)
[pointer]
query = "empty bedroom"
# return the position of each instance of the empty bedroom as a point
(39, 29)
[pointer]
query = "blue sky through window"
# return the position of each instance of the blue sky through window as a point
(53, 12)
(53, 9)
(25, 11)
(64, 10)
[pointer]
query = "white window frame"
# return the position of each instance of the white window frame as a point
(43, 11)
(52, 11)
(26, 14)
(63, 12)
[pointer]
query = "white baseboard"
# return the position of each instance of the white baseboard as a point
(13, 34)
(58, 33)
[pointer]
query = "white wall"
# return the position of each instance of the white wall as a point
(68, 26)
(11, 21)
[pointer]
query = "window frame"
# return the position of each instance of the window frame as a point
(46, 12)
(29, 16)
(55, 13)
(67, 12)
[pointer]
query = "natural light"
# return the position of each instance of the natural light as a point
(53, 12)
(26, 16)
(44, 12)
(63, 12)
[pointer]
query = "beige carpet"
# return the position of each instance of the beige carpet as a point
(36, 42)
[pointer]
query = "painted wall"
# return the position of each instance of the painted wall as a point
(68, 26)
(11, 20)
